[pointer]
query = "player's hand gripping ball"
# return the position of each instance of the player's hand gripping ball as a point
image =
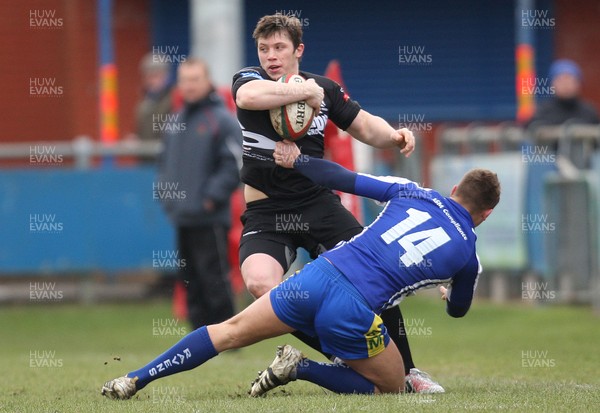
(293, 120)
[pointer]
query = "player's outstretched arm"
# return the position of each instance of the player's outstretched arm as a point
(322, 172)
(375, 131)
(265, 94)
(330, 174)
(459, 294)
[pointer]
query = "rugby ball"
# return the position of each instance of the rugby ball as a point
(293, 120)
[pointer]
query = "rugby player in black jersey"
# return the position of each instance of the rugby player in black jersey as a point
(285, 210)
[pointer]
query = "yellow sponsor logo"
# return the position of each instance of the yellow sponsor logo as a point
(374, 337)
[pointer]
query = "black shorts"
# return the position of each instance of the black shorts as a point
(278, 227)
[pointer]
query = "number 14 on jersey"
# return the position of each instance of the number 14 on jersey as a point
(429, 239)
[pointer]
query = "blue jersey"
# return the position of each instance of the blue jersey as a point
(420, 239)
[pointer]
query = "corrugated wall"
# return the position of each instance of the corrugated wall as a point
(437, 59)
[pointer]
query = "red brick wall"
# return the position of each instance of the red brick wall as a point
(32, 52)
(67, 55)
(577, 37)
(132, 42)
(59, 46)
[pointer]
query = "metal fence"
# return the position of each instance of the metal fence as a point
(551, 187)
(541, 244)
(81, 150)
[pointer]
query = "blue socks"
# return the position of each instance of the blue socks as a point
(191, 351)
(197, 348)
(338, 378)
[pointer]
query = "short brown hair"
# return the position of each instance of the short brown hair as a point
(274, 23)
(479, 190)
(193, 61)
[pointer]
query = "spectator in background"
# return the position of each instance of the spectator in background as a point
(157, 101)
(198, 171)
(566, 104)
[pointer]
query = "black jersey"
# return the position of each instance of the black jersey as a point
(259, 169)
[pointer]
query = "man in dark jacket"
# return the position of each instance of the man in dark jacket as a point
(566, 104)
(198, 173)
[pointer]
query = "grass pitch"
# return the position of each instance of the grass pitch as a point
(55, 357)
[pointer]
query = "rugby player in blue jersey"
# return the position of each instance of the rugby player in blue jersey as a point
(421, 239)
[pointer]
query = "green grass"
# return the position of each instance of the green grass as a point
(479, 359)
